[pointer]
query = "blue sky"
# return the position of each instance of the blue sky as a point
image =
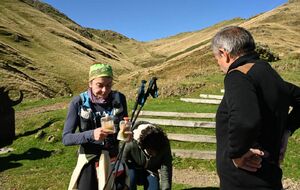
(146, 20)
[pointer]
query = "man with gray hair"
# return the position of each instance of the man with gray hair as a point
(253, 117)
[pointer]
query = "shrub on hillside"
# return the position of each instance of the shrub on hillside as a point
(265, 53)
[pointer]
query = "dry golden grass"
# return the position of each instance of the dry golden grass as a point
(60, 55)
(60, 51)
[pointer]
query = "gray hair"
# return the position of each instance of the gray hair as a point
(236, 40)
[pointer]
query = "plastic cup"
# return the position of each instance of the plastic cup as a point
(124, 132)
(107, 123)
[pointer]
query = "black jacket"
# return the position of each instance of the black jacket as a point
(136, 159)
(254, 114)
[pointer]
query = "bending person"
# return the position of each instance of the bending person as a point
(146, 155)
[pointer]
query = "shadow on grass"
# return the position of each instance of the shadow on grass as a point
(9, 161)
(27, 133)
(202, 188)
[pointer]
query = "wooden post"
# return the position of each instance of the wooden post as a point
(183, 123)
(178, 114)
(211, 96)
(201, 101)
(192, 138)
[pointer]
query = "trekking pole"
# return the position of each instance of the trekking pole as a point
(140, 100)
(151, 90)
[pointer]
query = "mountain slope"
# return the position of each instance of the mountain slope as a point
(44, 57)
(189, 64)
(46, 54)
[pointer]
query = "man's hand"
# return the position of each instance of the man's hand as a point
(100, 134)
(284, 142)
(250, 161)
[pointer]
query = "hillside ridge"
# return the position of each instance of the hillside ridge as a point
(46, 54)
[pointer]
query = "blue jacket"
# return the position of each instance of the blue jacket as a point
(74, 135)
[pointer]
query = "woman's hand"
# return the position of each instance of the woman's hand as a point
(100, 134)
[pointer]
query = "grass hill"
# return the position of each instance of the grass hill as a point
(46, 54)
(189, 65)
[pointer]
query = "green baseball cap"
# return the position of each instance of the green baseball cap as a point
(100, 70)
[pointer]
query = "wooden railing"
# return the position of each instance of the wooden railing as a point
(181, 119)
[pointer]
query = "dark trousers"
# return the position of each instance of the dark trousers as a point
(143, 177)
(88, 178)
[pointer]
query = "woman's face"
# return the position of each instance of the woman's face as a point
(101, 87)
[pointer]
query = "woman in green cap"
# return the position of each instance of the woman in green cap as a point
(97, 143)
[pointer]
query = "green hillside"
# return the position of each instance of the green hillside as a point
(46, 54)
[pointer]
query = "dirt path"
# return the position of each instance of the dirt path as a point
(195, 178)
(203, 179)
(37, 110)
